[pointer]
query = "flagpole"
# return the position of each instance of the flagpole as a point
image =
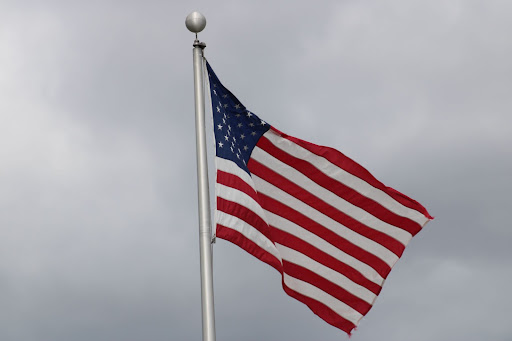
(196, 22)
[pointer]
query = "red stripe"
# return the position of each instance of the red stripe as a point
(331, 237)
(340, 189)
(320, 309)
(344, 162)
(299, 245)
(234, 181)
(329, 287)
(248, 245)
(245, 214)
(298, 192)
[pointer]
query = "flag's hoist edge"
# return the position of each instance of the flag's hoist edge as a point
(323, 221)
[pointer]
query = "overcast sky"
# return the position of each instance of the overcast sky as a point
(98, 207)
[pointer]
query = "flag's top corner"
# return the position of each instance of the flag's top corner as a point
(237, 130)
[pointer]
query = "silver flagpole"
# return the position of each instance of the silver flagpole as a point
(196, 22)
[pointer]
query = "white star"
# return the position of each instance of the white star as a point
(238, 155)
(237, 115)
(253, 133)
(237, 106)
(225, 96)
(232, 151)
(251, 124)
(214, 85)
(218, 109)
(246, 148)
(219, 126)
(263, 122)
(239, 125)
(249, 114)
(229, 127)
(215, 92)
(221, 144)
(242, 136)
(226, 137)
(234, 138)
(225, 105)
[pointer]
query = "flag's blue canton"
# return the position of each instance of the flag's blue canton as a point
(237, 130)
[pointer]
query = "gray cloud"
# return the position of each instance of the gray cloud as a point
(98, 236)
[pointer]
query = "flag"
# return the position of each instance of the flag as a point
(324, 222)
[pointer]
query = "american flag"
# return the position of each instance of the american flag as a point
(324, 222)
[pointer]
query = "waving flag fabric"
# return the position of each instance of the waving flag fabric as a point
(324, 222)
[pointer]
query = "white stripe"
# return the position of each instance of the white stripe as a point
(248, 231)
(321, 244)
(329, 274)
(321, 296)
(352, 181)
(367, 244)
(234, 195)
(232, 168)
(330, 198)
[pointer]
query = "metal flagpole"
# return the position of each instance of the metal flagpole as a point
(196, 22)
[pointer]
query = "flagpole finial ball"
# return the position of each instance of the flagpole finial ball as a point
(195, 22)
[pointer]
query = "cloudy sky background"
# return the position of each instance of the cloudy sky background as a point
(98, 208)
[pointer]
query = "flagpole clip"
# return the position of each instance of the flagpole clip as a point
(199, 44)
